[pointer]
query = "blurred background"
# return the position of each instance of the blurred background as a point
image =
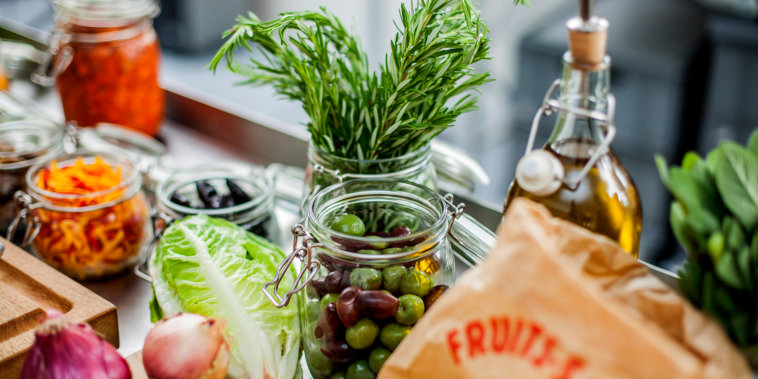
(684, 72)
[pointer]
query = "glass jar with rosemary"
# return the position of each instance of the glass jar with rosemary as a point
(365, 122)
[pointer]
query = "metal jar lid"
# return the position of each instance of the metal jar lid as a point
(26, 142)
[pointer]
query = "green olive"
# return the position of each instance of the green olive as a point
(379, 244)
(360, 370)
(338, 375)
(314, 310)
(416, 282)
(392, 277)
(318, 362)
(410, 309)
(329, 298)
(392, 334)
(377, 358)
(393, 250)
(349, 224)
(366, 278)
(369, 252)
(362, 334)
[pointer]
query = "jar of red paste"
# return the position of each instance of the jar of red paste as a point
(106, 61)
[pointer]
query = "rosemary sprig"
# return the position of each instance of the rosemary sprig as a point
(422, 87)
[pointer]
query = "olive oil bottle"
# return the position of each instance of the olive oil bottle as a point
(576, 174)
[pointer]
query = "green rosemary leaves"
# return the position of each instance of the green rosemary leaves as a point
(421, 88)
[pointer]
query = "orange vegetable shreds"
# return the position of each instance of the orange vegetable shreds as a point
(81, 178)
(98, 242)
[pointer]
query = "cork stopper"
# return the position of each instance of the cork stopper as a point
(587, 37)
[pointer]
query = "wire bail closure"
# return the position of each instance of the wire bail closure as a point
(310, 266)
(56, 60)
(24, 215)
(161, 222)
(551, 105)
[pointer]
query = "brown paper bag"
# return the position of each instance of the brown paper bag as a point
(553, 300)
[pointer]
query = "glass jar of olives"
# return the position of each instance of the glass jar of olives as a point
(375, 256)
(235, 191)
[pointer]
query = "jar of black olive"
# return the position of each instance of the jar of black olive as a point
(23, 144)
(374, 255)
(235, 191)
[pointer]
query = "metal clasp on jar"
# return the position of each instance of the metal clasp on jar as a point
(311, 266)
(25, 215)
(59, 57)
(161, 222)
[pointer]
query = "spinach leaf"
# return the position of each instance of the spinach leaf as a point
(736, 173)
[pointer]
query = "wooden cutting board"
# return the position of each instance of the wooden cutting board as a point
(28, 287)
(135, 364)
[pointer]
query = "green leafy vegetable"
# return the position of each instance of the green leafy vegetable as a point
(715, 217)
(212, 267)
(419, 90)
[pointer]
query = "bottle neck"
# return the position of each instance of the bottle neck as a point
(586, 90)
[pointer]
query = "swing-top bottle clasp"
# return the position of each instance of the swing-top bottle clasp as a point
(540, 172)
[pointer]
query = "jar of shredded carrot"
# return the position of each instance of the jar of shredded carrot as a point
(86, 214)
(106, 63)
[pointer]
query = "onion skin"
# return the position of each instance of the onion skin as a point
(65, 350)
(186, 346)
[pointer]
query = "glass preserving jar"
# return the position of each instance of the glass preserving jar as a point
(85, 235)
(180, 195)
(325, 169)
(23, 144)
(106, 62)
(375, 256)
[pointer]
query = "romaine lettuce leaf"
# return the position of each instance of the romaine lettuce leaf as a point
(212, 267)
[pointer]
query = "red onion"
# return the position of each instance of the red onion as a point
(186, 346)
(66, 350)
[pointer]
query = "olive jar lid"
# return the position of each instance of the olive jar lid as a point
(106, 10)
(25, 142)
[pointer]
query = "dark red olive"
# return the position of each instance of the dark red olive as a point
(236, 193)
(346, 309)
(334, 281)
(328, 324)
(351, 244)
(180, 199)
(345, 280)
(433, 295)
(400, 231)
(211, 199)
(376, 304)
(418, 240)
(227, 201)
(339, 351)
(325, 261)
(319, 284)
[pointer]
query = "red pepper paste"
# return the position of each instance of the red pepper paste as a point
(113, 79)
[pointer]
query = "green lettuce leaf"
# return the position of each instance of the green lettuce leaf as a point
(212, 267)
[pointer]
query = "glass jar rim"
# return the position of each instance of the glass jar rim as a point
(131, 183)
(422, 153)
(181, 177)
(47, 151)
(437, 230)
(106, 10)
